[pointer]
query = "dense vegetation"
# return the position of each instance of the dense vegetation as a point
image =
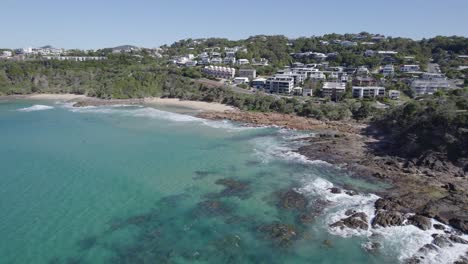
(438, 124)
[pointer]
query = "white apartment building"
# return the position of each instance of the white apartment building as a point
(429, 83)
(410, 68)
(216, 60)
(317, 75)
(394, 94)
(240, 80)
(229, 60)
(249, 73)
(242, 61)
(220, 72)
(368, 92)
(333, 89)
(259, 83)
(280, 84)
(388, 70)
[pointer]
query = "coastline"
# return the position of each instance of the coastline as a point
(83, 100)
(429, 187)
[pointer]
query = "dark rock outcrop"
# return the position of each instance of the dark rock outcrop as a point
(293, 200)
(388, 218)
(355, 221)
(420, 221)
(281, 234)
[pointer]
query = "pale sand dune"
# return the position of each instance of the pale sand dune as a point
(204, 106)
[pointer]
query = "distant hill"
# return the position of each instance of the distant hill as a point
(124, 47)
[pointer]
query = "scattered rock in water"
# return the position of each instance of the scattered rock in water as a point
(355, 221)
(457, 239)
(212, 208)
(87, 243)
(420, 221)
(414, 260)
(293, 200)
(137, 220)
(350, 212)
(202, 174)
(462, 260)
(372, 247)
(281, 234)
(387, 204)
(388, 218)
(428, 248)
(335, 190)
(232, 188)
(306, 218)
(441, 241)
(327, 243)
(439, 227)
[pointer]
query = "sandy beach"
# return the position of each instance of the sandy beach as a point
(66, 97)
(83, 100)
(196, 105)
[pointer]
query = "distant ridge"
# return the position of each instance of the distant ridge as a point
(124, 47)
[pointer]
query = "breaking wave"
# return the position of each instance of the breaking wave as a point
(153, 113)
(36, 108)
(402, 241)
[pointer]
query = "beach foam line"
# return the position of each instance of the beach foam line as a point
(153, 113)
(36, 108)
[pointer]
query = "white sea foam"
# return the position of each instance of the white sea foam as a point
(270, 148)
(36, 108)
(153, 113)
(402, 241)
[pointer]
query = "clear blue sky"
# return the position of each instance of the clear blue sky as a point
(150, 23)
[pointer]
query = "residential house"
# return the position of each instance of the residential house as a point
(317, 75)
(369, 53)
(259, 83)
(362, 70)
(260, 62)
(333, 89)
(429, 83)
(249, 73)
(229, 60)
(388, 70)
(410, 68)
(364, 81)
(191, 63)
(6, 53)
(368, 92)
(347, 43)
(216, 60)
(220, 72)
(306, 92)
(280, 84)
(241, 80)
(394, 94)
(242, 61)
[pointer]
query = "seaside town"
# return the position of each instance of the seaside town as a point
(392, 77)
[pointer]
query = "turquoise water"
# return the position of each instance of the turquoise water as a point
(138, 185)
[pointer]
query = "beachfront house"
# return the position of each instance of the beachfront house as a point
(368, 92)
(220, 72)
(281, 84)
(249, 73)
(333, 89)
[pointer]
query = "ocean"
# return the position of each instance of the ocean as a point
(136, 184)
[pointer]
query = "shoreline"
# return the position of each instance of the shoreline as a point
(83, 100)
(423, 186)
